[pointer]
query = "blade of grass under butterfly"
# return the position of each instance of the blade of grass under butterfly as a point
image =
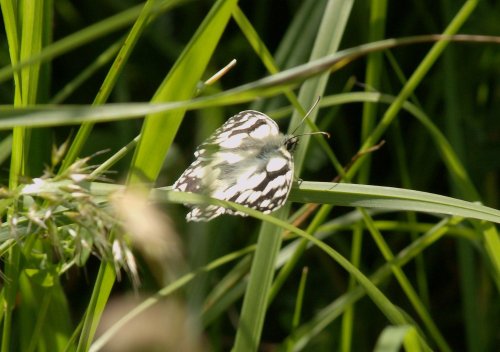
(390, 198)
(367, 196)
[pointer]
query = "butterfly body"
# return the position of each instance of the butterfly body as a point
(247, 161)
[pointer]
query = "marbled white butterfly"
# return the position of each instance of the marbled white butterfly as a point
(247, 161)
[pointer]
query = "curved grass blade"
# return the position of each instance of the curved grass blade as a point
(46, 115)
(352, 195)
(367, 196)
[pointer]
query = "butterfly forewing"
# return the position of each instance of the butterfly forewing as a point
(247, 161)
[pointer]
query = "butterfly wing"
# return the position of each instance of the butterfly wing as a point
(243, 128)
(244, 161)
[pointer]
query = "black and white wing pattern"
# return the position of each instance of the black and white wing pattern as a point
(247, 161)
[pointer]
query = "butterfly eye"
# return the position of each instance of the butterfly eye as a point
(291, 144)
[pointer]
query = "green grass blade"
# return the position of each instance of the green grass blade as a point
(374, 70)
(5, 150)
(30, 22)
(160, 129)
(31, 45)
(348, 316)
(110, 81)
(105, 281)
(390, 198)
(257, 291)
(366, 196)
(298, 304)
(492, 247)
(269, 241)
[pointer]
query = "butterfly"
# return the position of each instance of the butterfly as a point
(247, 161)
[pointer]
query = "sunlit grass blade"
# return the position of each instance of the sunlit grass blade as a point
(29, 43)
(160, 129)
(390, 198)
(367, 196)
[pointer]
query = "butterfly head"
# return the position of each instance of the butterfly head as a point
(291, 143)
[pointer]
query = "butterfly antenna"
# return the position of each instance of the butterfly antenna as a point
(313, 133)
(307, 114)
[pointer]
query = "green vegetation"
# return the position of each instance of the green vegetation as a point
(391, 241)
